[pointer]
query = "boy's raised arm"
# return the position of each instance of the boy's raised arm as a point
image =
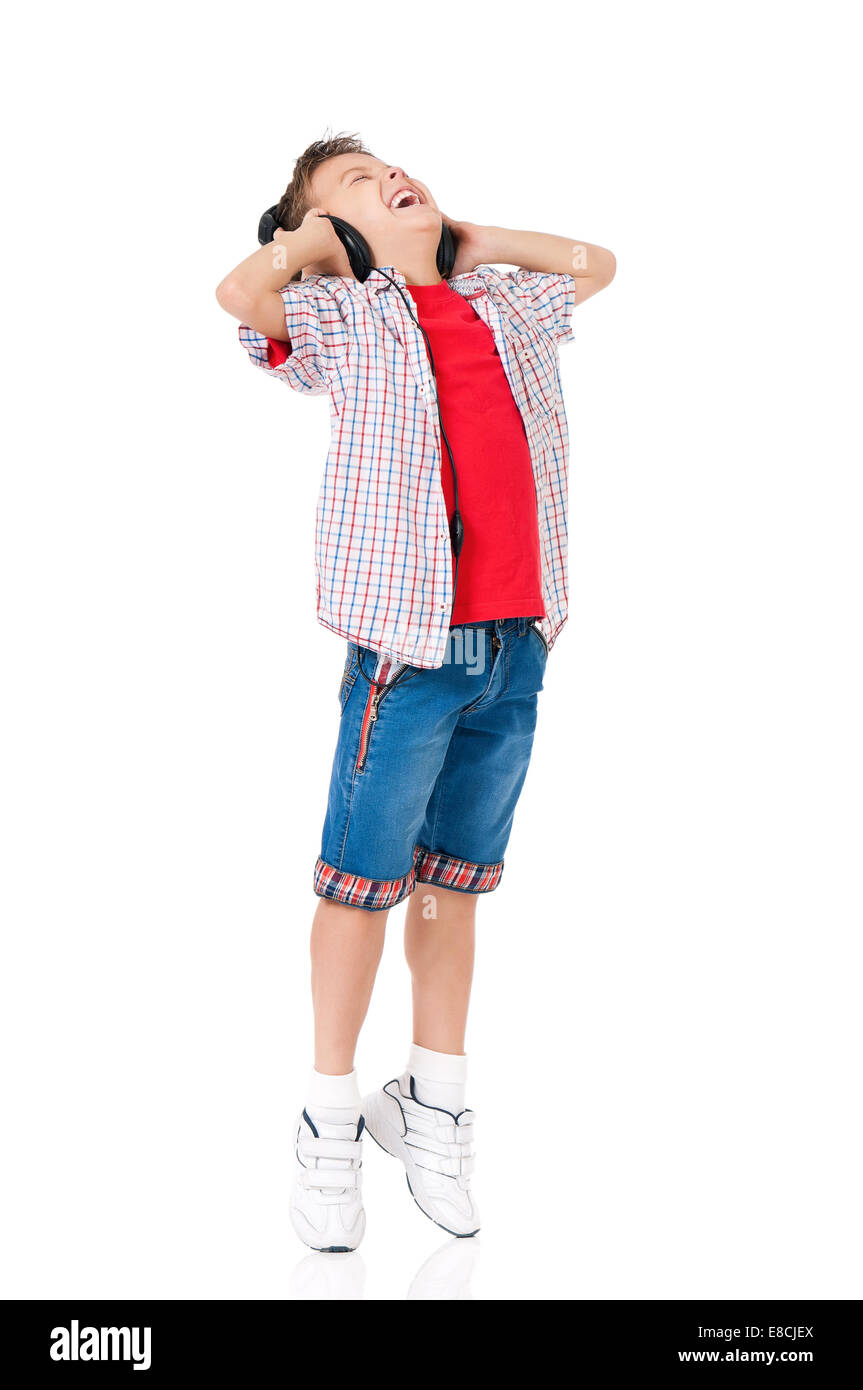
(592, 267)
(251, 291)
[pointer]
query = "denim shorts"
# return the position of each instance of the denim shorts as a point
(429, 765)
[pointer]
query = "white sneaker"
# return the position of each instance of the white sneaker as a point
(435, 1147)
(326, 1202)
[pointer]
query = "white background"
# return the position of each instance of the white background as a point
(664, 1041)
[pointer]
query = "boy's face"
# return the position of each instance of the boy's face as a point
(364, 191)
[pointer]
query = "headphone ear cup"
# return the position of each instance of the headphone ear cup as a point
(356, 246)
(268, 226)
(446, 250)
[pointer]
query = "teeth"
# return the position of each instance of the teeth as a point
(405, 198)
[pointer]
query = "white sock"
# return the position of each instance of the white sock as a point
(439, 1077)
(334, 1100)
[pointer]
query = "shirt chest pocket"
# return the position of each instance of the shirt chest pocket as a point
(537, 361)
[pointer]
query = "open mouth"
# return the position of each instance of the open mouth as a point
(405, 198)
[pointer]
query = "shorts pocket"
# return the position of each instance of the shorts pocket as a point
(532, 627)
(349, 675)
(377, 692)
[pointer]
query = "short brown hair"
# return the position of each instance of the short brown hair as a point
(296, 199)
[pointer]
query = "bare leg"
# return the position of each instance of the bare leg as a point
(439, 948)
(346, 948)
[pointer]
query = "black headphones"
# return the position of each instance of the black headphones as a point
(356, 246)
(360, 260)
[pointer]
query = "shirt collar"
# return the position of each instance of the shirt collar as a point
(377, 283)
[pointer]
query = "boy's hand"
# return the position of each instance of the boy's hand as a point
(471, 244)
(252, 291)
(325, 252)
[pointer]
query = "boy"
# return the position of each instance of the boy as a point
(444, 398)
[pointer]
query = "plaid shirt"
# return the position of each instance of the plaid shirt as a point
(383, 557)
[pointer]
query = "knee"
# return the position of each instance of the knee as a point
(431, 903)
(331, 915)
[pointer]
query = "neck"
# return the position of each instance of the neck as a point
(414, 274)
(419, 268)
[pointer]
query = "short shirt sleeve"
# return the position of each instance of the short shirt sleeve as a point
(315, 344)
(549, 299)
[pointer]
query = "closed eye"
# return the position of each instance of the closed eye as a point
(359, 176)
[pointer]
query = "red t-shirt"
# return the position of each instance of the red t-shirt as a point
(499, 566)
(499, 573)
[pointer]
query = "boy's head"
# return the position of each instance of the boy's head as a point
(339, 175)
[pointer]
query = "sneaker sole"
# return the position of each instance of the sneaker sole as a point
(324, 1249)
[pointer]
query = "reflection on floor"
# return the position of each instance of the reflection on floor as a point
(446, 1274)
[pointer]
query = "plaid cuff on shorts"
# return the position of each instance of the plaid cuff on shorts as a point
(459, 874)
(374, 894)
